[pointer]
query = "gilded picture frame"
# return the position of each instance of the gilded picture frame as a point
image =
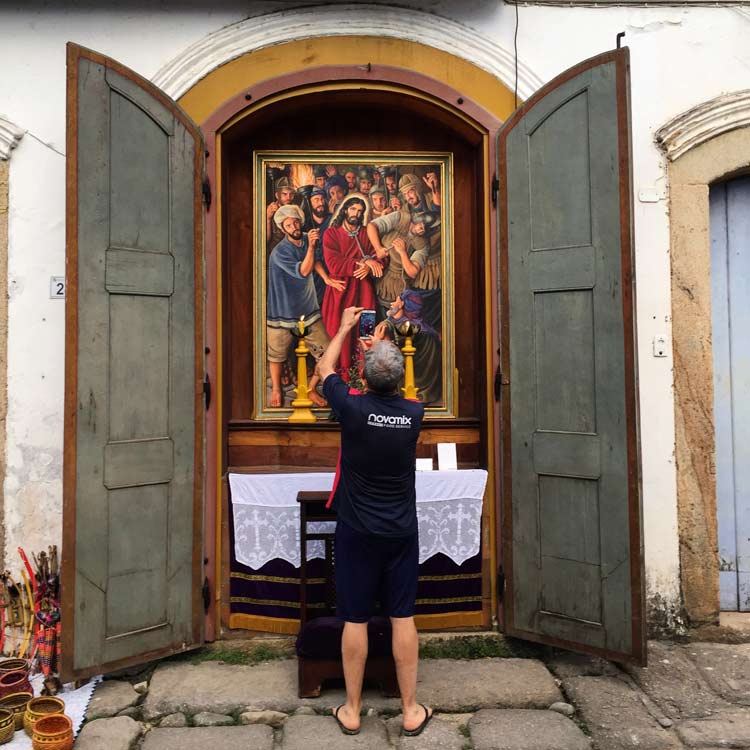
(404, 234)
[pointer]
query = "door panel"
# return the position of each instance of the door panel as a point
(730, 312)
(134, 371)
(571, 528)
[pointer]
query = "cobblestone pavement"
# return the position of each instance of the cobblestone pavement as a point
(692, 695)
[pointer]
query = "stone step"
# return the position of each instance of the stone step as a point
(308, 732)
(448, 685)
(616, 715)
(256, 737)
(523, 729)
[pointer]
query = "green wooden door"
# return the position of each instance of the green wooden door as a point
(134, 368)
(571, 502)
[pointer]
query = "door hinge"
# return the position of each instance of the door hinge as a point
(206, 591)
(500, 584)
(207, 391)
(498, 382)
(495, 189)
(207, 192)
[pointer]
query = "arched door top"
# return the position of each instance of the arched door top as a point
(10, 135)
(336, 20)
(703, 122)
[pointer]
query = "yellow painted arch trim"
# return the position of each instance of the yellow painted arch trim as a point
(241, 74)
(228, 80)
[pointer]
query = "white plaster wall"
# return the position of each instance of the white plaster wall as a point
(679, 56)
(32, 95)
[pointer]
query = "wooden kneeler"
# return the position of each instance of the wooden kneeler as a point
(319, 638)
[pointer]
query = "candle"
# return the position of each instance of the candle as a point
(301, 325)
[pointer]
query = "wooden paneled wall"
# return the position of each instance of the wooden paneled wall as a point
(353, 120)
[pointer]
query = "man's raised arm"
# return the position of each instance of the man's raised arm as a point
(327, 363)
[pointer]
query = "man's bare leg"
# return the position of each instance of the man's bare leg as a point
(312, 391)
(405, 644)
(354, 656)
(276, 397)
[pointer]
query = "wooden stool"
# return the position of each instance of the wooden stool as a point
(319, 638)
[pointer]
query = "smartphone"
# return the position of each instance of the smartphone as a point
(367, 324)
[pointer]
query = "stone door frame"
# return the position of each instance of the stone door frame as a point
(705, 145)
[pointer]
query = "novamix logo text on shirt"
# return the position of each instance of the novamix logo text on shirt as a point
(381, 420)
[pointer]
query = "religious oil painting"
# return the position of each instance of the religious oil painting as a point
(341, 229)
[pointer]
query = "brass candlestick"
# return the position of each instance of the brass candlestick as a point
(301, 411)
(408, 330)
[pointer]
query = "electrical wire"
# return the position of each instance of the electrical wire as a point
(515, 58)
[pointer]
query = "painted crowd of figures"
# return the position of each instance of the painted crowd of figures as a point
(366, 236)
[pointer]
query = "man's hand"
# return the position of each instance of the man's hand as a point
(375, 268)
(431, 182)
(396, 203)
(313, 236)
(361, 271)
(273, 207)
(338, 284)
(327, 363)
(399, 245)
(350, 318)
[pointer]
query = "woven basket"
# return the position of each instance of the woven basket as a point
(16, 681)
(53, 732)
(16, 702)
(14, 665)
(7, 726)
(39, 707)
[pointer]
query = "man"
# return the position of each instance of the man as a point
(428, 357)
(432, 181)
(365, 180)
(379, 202)
(284, 196)
(350, 175)
(320, 218)
(350, 257)
(390, 184)
(410, 187)
(400, 237)
(337, 188)
(291, 294)
(427, 281)
(320, 175)
(376, 544)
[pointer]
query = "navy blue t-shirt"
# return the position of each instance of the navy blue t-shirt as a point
(375, 493)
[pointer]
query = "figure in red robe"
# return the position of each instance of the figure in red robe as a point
(351, 258)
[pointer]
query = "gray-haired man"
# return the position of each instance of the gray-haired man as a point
(377, 547)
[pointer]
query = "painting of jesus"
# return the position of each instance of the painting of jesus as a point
(337, 230)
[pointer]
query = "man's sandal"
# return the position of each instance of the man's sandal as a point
(343, 728)
(418, 730)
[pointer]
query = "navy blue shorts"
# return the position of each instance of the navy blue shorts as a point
(371, 568)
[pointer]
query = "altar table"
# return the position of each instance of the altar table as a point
(265, 548)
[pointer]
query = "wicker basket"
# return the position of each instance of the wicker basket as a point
(14, 665)
(39, 707)
(16, 702)
(53, 732)
(7, 726)
(16, 681)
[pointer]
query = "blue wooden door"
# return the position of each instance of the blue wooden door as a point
(730, 305)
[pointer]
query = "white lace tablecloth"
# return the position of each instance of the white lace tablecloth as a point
(266, 515)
